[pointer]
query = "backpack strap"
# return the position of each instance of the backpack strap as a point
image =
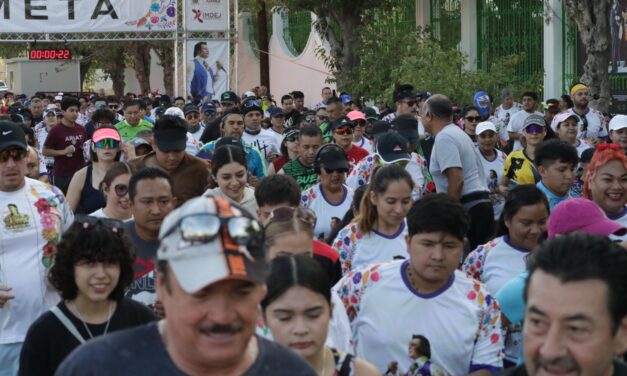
(67, 323)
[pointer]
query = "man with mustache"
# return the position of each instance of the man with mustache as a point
(576, 308)
(211, 280)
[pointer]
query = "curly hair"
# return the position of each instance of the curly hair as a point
(91, 243)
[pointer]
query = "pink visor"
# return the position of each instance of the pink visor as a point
(356, 115)
(104, 133)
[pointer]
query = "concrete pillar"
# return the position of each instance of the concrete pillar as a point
(469, 32)
(553, 47)
(423, 13)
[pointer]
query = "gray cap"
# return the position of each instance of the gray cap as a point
(534, 119)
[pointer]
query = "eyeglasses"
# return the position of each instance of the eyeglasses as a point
(584, 120)
(310, 119)
(286, 213)
(204, 228)
(121, 190)
(323, 118)
(338, 170)
(16, 154)
(107, 143)
(534, 129)
(89, 221)
(192, 116)
(344, 131)
(360, 123)
(473, 119)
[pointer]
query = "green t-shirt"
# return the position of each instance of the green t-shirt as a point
(305, 176)
(326, 132)
(129, 132)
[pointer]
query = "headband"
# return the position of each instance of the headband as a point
(578, 87)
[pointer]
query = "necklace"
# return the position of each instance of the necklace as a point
(324, 362)
(85, 324)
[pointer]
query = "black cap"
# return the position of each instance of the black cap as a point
(12, 134)
(332, 157)
(275, 111)
(553, 105)
(405, 91)
(229, 97)
(406, 127)
(371, 114)
(379, 128)
(391, 147)
(424, 95)
(341, 122)
(228, 140)
(189, 108)
(170, 137)
(250, 106)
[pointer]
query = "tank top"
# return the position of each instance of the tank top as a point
(91, 199)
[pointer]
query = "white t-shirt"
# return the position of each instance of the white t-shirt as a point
(595, 120)
(462, 321)
(198, 133)
(264, 141)
(314, 199)
(453, 148)
(516, 123)
(101, 214)
(358, 250)
(582, 145)
(365, 144)
(493, 172)
(278, 136)
(503, 116)
(32, 221)
(339, 334)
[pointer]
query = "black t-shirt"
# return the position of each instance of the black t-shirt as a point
(143, 288)
(620, 369)
(140, 351)
(48, 341)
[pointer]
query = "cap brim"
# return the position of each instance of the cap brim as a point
(171, 145)
(605, 227)
(618, 127)
(7, 144)
(394, 157)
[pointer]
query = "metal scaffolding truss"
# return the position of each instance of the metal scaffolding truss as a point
(110, 37)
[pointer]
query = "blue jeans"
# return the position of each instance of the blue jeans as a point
(10, 358)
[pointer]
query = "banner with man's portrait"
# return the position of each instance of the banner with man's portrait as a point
(207, 68)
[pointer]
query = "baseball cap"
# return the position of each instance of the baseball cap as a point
(356, 115)
(485, 126)
(618, 122)
(332, 158)
(209, 108)
(346, 98)
(248, 95)
(424, 95)
(209, 239)
(552, 105)
(275, 111)
(138, 141)
(341, 122)
(48, 111)
(391, 147)
(170, 137)
(404, 91)
(371, 114)
(104, 133)
(406, 127)
(229, 97)
(534, 119)
(11, 134)
(562, 117)
(228, 140)
(250, 106)
(189, 108)
(380, 127)
(175, 111)
(583, 215)
(481, 100)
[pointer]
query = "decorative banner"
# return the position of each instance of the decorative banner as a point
(74, 16)
(207, 68)
(207, 15)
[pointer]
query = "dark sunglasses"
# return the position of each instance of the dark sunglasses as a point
(250, 103)
(286, 213)
(16, 154)
(107, 143)
(534, 129)
(360, 123)
(89, 221)
(473, 119)
(209, 113)
(338, 170)
(344, 131)
(204, 228)
(121, 190)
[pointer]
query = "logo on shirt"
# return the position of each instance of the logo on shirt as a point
(16, 221)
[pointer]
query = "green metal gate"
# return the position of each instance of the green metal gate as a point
(511, 27)
(446, 23)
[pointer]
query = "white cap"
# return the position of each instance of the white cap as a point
(562, 117)
(485, 126)
(175, 111)
(618, 122)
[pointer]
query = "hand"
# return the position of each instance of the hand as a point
(128, 150)
(69, 150)
(253, 181)
(158, 309)
(5, 296)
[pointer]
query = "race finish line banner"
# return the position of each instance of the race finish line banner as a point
(80, 16)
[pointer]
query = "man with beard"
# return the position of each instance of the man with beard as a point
(576, 312)
(591, 125)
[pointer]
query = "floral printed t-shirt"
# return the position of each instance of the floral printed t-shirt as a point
(314, 199)
(32, 221)
(358, 250)
(461, 320)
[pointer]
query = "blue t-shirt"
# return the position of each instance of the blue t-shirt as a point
(553, 198)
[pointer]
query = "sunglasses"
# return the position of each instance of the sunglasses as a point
(286, 213)
(344, 131)
(250, 103)
(89, 221)
(534, 129)
(338, 170)
(121, 190)
(16, 154)
(473, 119)
(360, 123)
(107, 143)
(323, 118)
(192, 116)
(209, 113)
(204, 228)
(584, 120)
(310, 120)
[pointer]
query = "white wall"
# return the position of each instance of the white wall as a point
(30, 77)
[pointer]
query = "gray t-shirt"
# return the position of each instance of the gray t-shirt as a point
(453, 148)
(140, 351)
(516, 123)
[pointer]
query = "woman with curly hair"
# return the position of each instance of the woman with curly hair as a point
(92, 268)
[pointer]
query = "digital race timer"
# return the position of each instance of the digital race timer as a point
(50, 54)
